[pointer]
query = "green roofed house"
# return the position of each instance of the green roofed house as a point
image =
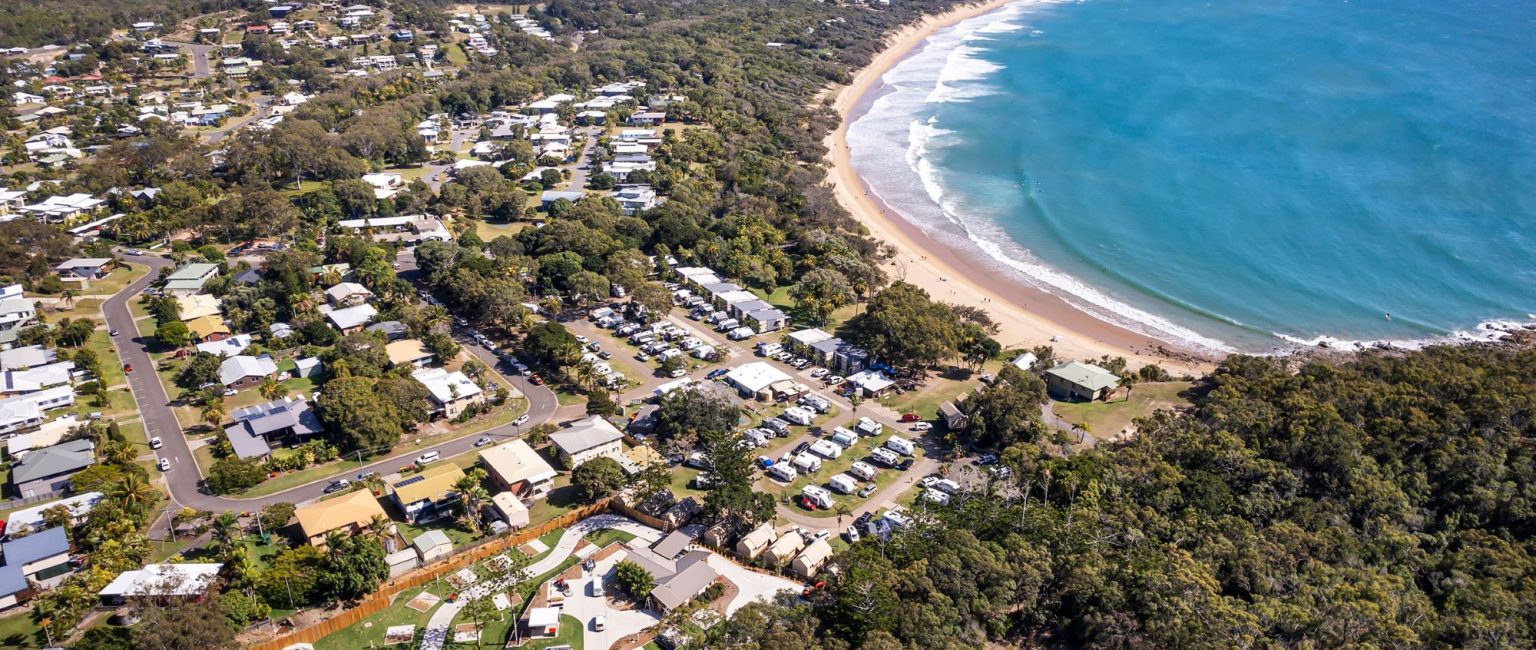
(189, 279)
(1080, 381)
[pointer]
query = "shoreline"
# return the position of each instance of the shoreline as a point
(1026, 316)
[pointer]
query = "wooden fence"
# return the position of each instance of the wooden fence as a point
(385, 595)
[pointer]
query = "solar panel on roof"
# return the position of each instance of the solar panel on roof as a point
(410, 481)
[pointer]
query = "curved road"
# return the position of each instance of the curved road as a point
(184, 477)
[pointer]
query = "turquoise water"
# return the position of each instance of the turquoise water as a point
(1235, 175)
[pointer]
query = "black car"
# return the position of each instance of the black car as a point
(905, 464)
(863, 519)
(800, 448)
(337, 486)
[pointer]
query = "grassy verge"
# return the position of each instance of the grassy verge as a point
(1107, 419)
(18, 631)
(369, 632)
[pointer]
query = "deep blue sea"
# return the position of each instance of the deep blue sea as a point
(1236, 174)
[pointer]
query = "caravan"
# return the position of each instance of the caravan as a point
(819, 496)
(900, 445)
(843, 483)
(868, 427)
(783, 472)
(807, 462)
(798, 415)
(885, 456)
(827, 449)
(862, 470)
(844, 437)
(769, 349)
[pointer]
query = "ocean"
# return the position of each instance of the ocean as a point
(1245, 176)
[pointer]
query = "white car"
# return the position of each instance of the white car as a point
(599, 623)
(429, 457)
(818, 373)
(164, 464)
(156, 443)
(922, 426)
(835, 380)
(521, 420)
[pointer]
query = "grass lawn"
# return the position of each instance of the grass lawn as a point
(488, 231)
(116, 280)
(119, 404)
(682, 480)
(601, 538)
(938, 389)
(460, 537)
(454, 54)
(17, 631)
(571, 632)
(111, 366)
(369, 632)
(831, 467)
(138, 310)
(84, 307)
(1107, 419)
(561, 499)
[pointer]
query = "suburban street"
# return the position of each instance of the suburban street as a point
(183, 481)
(198, 53)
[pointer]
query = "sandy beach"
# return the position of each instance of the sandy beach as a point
(1026, 316)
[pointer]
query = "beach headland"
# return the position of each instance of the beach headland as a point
(1026, 316)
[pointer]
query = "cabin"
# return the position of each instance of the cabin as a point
(1080, 382)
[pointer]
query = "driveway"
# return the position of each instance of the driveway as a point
(183, 481)
(754, 586)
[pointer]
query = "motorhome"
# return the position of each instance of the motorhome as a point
(843, 437)
(818, 495)
(807, 462)
(885, 456)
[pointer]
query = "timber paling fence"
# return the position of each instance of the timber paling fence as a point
(385, 595)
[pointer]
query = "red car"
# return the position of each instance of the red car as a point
(536, 380)
(909, 417)
(127, 367)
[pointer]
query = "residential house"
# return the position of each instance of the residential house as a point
(226, 347)
(256, 427)
(1025, 361)
(954, 418)
(392, 330)
(46, 471)
(244, 371)
(586, 439)
(677, 582)
(348, 294)
(157, 581)
(549, 197)
(208, 328)
(25, 411)
(197, 306)
(350, 319)
(16, 311)
(30, 519)
(37, 378)
(350, 514)
(427, 494)
(28, 356)
(828, 351)
(88, 268)
(408, 352)
(1080, 381)
(190, 278)
(634, 199)
(518, 469)
(39, 560)
(384, 185)
(452, 392)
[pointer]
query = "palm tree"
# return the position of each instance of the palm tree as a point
(1083, 428)
(271, 389)
(69, 296)
(115, 452)
(225, 530)
(842, 511)
(471, 494)
(213, 413)
(584, 376)
(1129, 382)
(378, 530)
(133, 492)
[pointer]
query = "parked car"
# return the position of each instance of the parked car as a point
(852, 534)
(521, 420)
(834, 380)
(428, 457)
(113, 332)
(337, 486)
(483, 441)
(164, 464)
(363, 476)
(678, 373)
(910, 417)
(986, 459)
(922, 426)
(905, 464)
(764, 462)
(800, 448)
(717, 373)
(156, 443)
(818, 373)
(868, 490)
(127, 367)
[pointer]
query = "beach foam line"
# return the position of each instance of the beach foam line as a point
(1488, 331)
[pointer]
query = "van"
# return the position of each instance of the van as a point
(783, 472)
(900, 445)
(946, 485)
(843, 483)
(428, 457)
(768, 349)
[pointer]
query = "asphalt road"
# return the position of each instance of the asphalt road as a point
(184, 477)
(198, 52)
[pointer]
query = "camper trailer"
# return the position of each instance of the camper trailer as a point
(783, 472)
(885, 456)
(868, 427)
(769, 349)
(900, 445)
(826, 449)
(862, 470)
(844, 483)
